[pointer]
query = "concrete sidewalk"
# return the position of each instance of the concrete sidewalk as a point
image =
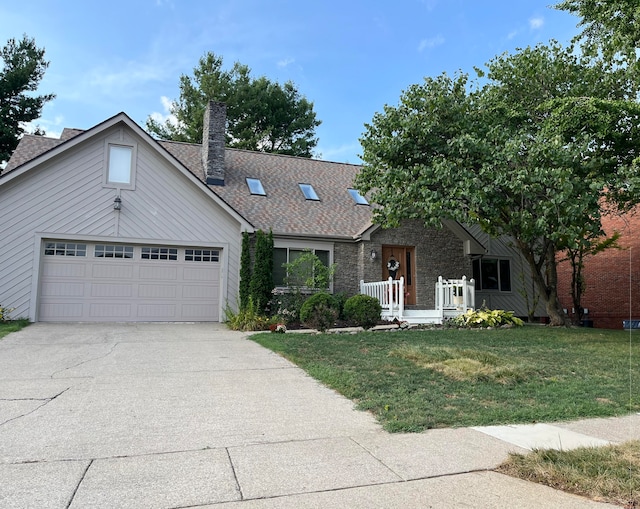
(194, 415)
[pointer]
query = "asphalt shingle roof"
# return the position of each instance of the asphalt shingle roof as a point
(284, 209)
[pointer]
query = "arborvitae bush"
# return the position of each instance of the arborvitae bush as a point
(262, 278)
(363, 310)
(245, 271)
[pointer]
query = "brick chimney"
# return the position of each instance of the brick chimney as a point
(213, 134)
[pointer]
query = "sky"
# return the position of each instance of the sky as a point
(349, 57)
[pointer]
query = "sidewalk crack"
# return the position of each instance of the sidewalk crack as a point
(235, 477)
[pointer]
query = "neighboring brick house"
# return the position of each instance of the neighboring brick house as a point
(612, 277)
(109, 224)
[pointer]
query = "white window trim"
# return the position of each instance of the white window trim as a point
(134, 157)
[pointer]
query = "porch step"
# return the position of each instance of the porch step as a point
(419, 316)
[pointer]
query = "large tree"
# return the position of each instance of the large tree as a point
(610, 28)
(534, 153)
(261, 114)
(22, 68)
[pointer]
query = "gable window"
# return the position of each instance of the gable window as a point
(492, 274)
(357, 197)
(255, 187)
(120, 165)
(309, 192)
(64, 249)
(284, 255)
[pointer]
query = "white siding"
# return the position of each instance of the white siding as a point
(65, 198)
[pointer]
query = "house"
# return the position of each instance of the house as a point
(612, 277)
(110, 224)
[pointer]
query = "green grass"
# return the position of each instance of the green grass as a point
(607, 474)
(12, 326)
(415, 380)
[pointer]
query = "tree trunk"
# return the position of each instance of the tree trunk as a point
(548, 283)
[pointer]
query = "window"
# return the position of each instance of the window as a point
(114, 251)
(119, 170)
(309, 192)
(255, 187)
(492, 274)
(64, 249)
(159, 253)
(202, 255)
(357, 197)
(283, 255)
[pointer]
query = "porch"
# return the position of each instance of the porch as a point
(453, 297)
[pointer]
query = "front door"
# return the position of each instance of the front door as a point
(397, 262)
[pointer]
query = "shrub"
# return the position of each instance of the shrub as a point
(486, 318)
(319, 311)
(248, 319)
(4, 314)
(286, 305)
(363, 310)
(261, 283)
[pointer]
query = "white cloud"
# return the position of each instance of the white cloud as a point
(51, 128)
(347, 153)
(536, 23)
(286, 62)
(512, 34)
(166, 115)
(432, 42)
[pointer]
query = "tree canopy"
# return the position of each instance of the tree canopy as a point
(261, 114)
(22, 68)
(534, 153)
(610, 27)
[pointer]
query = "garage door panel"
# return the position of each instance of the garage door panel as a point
(157, 311)
(156, 272)
(111, 290)
(68, 289)
(202, 274)
(64, 270)
(63, 310)
(110, 310)
(157, 291)
(199, 292)
(90, 288)
(122, 270)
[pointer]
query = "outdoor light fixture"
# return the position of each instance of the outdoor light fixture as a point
(117, 203)
(373, 254)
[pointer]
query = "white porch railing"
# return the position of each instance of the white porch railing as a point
(389, 293)
(452, 297)
(456, 294)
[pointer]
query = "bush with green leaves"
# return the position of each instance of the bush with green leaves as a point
(4, 314)
(320, 311)
(363, 310)
(482, 318)
(248, 318)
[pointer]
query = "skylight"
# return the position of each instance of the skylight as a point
(255, 187)
(309, 192)
(357, 197)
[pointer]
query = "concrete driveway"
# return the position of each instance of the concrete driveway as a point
(193, 415)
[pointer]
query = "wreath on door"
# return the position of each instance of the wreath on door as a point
(392, 266)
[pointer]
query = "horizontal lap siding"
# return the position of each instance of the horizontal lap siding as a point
(65, 196)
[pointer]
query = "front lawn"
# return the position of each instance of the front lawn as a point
(419, 379)
(12, 326)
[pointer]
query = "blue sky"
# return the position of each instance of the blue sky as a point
(349, 57)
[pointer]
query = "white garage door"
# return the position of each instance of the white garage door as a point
(128, 283)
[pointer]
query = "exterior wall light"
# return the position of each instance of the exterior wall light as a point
(373, 254)
(117, 203)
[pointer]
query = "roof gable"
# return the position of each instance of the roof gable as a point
(33, 151)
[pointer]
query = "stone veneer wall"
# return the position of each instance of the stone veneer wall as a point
(438, 253)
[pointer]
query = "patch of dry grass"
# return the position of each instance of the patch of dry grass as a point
(465, 365)
(606, 474)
